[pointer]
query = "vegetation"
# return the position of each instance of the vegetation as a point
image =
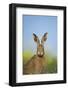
(51, 61)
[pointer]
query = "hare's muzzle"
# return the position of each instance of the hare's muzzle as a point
(40, 54)
(40, 50)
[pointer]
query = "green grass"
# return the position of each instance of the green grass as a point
(51, 61)
(52, 66)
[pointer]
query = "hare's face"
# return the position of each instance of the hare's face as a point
(40, 50)
(40, 46)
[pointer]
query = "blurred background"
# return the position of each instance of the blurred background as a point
(40, 25)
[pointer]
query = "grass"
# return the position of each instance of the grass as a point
(51, 61)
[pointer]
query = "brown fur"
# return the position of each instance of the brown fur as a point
(35, 65)
(38, 62)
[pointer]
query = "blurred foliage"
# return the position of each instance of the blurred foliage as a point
(51, 61)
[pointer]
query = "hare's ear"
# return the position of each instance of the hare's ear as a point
(44, 38)
(35, 38)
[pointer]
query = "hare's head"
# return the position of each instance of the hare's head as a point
(40, 46)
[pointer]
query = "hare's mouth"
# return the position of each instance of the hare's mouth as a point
(40, 55)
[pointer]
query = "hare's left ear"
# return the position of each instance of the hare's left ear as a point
(36, 39)
(44, 38)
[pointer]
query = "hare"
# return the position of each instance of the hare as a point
(37, 63)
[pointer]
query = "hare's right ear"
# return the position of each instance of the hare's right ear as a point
(35, 38)
(44, 38)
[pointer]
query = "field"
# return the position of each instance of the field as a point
(51, 61)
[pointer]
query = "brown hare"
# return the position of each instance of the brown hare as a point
(38, 62)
